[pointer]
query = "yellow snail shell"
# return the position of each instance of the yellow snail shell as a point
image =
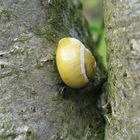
(75, 63)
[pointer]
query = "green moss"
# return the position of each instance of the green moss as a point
(53, 28)
(5, 14)
(47, 33)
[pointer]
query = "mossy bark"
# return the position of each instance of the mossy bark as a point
(122, 21)
(34, 102)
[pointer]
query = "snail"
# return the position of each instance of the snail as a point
(76, 64)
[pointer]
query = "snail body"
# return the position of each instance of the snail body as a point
(75, 63)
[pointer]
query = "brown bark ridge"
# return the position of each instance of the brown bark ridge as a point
(122, 21)
(34, 102)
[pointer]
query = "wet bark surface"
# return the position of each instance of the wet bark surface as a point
(34, 102)
(122, 21)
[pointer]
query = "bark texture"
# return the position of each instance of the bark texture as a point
(122, 21)
(34, 102)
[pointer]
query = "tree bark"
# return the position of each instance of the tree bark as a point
(34, 102)
(122, 21)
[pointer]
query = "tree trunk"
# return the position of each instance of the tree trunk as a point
(122, 21)
(34, 102)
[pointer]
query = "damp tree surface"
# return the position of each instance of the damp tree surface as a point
(34, 102)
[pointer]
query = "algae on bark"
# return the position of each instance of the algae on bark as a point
(122, 21)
